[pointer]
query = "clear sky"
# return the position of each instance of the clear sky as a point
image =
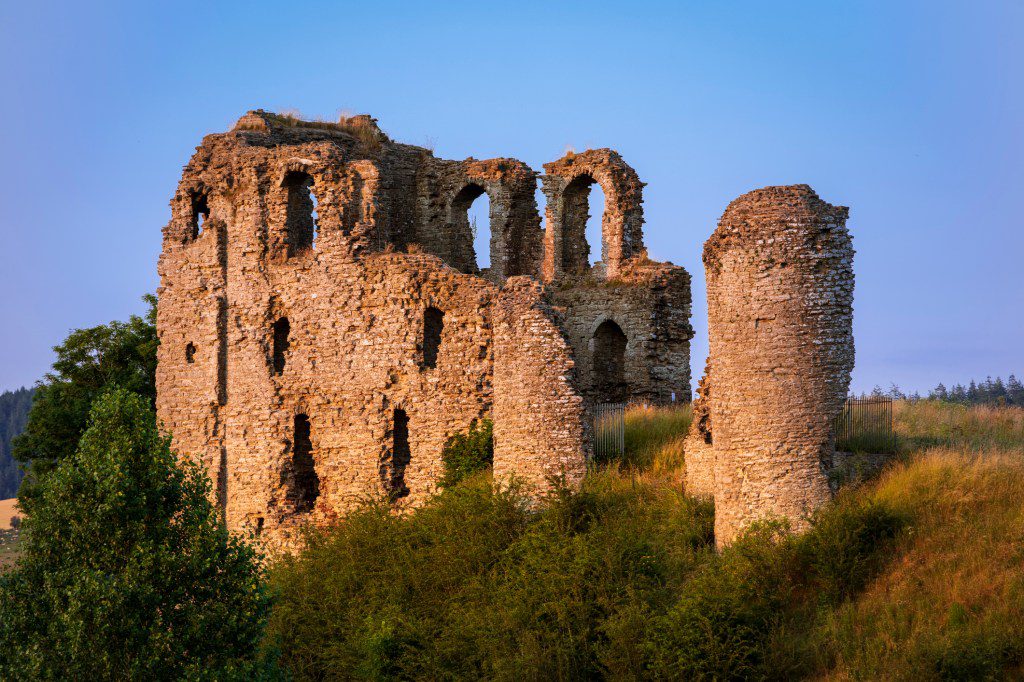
(910, 113)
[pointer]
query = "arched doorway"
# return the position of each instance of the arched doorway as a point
(608, 363)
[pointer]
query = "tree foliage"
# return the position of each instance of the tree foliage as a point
(127, 570)
(89, 362)
(14, 407)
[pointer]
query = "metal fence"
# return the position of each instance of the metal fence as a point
(609, 430)
(865, 425)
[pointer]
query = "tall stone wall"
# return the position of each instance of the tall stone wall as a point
(780, 293)
(538, 408)
(567, 184)
(325, 328)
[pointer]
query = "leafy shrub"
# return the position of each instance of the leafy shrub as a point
(127, 570)
(721, 624)
(467, 453)
(475, 584)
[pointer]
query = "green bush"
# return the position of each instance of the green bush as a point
(127, 570)
(467, 453)
(476, 584)
(842, 550)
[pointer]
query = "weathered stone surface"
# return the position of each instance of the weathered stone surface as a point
(780, 311)
(325, 328)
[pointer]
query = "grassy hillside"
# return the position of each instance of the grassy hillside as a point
(917, 574)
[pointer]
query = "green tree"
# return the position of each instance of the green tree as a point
(127, 570)
(89, 362)
(14, 407)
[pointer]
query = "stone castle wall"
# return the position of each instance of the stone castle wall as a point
(325, 328)
(780, 292)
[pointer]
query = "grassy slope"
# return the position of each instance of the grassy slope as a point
(916, 575)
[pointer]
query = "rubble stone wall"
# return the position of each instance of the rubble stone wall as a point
(325, 328)
(567, 185)
(539, 412)
(780, 292)
(650, 303)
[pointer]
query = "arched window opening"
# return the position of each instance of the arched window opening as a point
(190, 353)
(200, 213)
(593, 232)
(471, 220)
(394, 465)
(433, 326)
(581, 226)
(281, 344)
(305, 483)
(609, 363)
(301, 217)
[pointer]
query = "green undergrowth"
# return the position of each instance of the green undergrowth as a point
(914, 575)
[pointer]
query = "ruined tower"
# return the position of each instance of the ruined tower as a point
(780, 294)
(325, 325)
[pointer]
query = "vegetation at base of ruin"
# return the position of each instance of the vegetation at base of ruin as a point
(14, 407)
(127, 570)
(914, 574)
(467, 453)
(90, 362)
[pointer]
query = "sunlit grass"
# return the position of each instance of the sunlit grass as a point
(930, 422)
(654, 438)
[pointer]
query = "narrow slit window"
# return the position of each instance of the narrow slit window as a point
(282, 329)
(190, 353)
(433, 326)
(200, 213)
(305, 481)
(394, 470)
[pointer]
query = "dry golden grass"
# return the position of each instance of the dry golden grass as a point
(929, 422)
(951, 604)
(654, 441)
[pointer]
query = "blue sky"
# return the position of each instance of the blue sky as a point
(911, 113)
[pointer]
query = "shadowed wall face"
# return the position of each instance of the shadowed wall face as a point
(780, 296)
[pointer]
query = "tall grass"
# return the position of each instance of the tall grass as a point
(654, 438)
(927, 423)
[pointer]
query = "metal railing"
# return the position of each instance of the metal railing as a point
(865, 425)
(609, 430)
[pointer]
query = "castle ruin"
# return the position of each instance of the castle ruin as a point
(325, 328)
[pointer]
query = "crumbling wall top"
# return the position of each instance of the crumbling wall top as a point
(567, 183)
(755, 214)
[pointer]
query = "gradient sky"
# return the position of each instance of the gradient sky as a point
(910, 113)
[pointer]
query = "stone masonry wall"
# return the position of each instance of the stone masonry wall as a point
(324, 327)
(780, 293)
(538, 408)
(567, 185)
(650, 303)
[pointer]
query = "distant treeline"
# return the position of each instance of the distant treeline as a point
(14, 407)
(988, 392)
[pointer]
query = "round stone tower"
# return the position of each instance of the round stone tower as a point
(780, 314)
